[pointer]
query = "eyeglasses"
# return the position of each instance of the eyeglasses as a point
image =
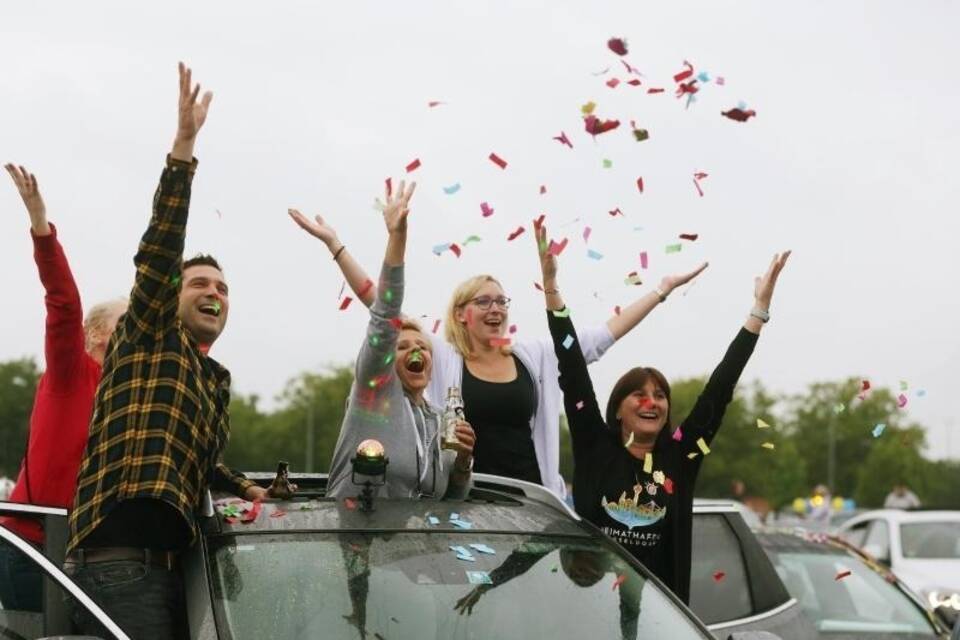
(485, 302)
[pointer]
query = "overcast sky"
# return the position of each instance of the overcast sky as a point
(850, 161)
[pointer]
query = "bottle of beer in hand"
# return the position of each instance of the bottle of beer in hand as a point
(452, 414)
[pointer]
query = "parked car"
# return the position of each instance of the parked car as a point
(843, 592)
(510, 562)
(921, 547)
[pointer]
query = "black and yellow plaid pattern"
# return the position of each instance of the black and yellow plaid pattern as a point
(160, 421)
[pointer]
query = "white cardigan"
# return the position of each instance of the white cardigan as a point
(541, 363)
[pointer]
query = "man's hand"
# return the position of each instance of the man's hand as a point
(192, 115)
(26, 184)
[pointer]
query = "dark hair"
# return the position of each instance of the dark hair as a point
(629, 382)
(201, 259)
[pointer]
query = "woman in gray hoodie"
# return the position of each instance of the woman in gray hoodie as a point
(387, 400)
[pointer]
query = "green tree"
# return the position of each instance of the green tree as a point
(894, 458)
(18, 386)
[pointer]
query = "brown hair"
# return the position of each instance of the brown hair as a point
(629, 382)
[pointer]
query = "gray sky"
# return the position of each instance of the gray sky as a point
(850, 162)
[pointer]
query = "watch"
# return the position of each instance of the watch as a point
(760, 314)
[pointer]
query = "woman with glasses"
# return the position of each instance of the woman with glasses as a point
(387, 399)
(510, 391)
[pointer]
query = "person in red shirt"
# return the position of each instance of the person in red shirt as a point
(74, 348)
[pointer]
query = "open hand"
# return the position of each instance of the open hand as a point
(192, 114)
(763, 287)
(396, 208)
(26, 184)
(548, 261)
(669, 283)
(317, 227)
(466, 603)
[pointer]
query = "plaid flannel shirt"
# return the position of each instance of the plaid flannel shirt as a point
(160, 421)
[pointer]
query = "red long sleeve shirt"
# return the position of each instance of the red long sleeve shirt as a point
(63, 405)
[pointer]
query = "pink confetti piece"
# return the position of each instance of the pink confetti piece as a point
(350, 504)
(901, 401)
(619, 581)
(497, 160)
(629, 68)
(612, 83)
(486, 210)
(513, 236)
(436, 325)
(633, 83)
(618, 46)
(512, 329)
(563, 139)
(678, 434)
(413, 166)
(346, 303)
(697, 177)
(435, 103)
(655, 90)
(643, 259)
(366, 287)
(615, 212)
(538, 286)
(721, 80)
(556, 248)
(539, 221)
(843, 574)
(278, 513)
(586, 234)
(579, 405)
(640, 184)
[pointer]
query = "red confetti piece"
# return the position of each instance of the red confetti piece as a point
(346, 303)
(413, 166)
(436, 325)
(683, 75)
(718, 576)
(616, 310)
(865, 386)
(543, 189)
(455, 249)
(595, 126)
(740, 115)
(668, 485)
(843, 574)
(634, 82)
(513, 236)
(350, 504)
(629, 68)
(687, 88)
(389, 183)
(556, 248)
(619, 581)
(640, 184)
(513, 328)
(586, 234)
(618, 46)
(615, 212)
(499, 342)
(486, 210)
(539, 221)
(579, 405)
(434, 103)
(689, 236)
(366, 287)
(655, 90)
(643, 259)
(231, 520)
(251, 515)
(697, 177)
(563, 139)
(612, 83)
(278, 513)
(396, 323)
(497, 160)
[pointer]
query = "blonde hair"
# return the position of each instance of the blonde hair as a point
(454, 331)
(95, 324)
(409, 324)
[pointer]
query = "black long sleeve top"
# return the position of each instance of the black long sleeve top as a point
(649, 512)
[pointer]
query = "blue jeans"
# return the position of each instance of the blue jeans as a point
(147, 602)
(21, 581)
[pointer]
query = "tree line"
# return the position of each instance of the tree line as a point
(778, 463)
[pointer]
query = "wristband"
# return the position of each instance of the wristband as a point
(660, 294)
(760, 314)
(552, 291)
(339, 251)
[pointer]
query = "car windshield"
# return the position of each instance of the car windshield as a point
(434, 585)
(930, 539)
(842, 595)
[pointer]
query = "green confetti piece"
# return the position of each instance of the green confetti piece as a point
(674, 248)
(374, 340)
(471, 239)
(389, 358)
(607, 163)
(388, 295)
(372, 384)
(175, 279)
(561, 313)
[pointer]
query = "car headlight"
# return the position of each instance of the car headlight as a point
(943, 598)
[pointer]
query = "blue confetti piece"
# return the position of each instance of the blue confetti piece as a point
(479, 577)
(440, 248)
(454, 516)
(595, 255)
(742, 105)
(703, 76)
(877, 430)
(921, 392)
(482, 548)
(434, 520)
(452, 189)
(461, 524)
(462, 553)
(568, 341)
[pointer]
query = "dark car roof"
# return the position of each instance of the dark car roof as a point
(492, 507)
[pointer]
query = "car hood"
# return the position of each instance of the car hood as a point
(921, 575)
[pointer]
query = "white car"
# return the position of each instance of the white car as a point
(921, 547)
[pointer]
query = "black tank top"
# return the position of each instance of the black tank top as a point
(500, 413)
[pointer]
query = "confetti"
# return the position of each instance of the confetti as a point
(543, 189)
(366, 287)
(865, 385)
(175, 279)
(452, 189)
(616, 212)
(658, 90)
(616, 310)
(619, 581)
(647, 462)
(718, 576)
(595, 126)
(697, 177)
(659, 476)
(921, 392)
(607, 163)
(440, 248)
(556, 248)
(767, 445)
(721, 80)
(641, 134)
(838, 408)
(634, 83)
(568, 341)
(842, 574)
(903, 385)
(251, 514)
(500, 342)
(618, 46)
(740, 115)
(479, 577)
(413, 166)
(878, 430)
(563, 139)
(435, 103)
(630, 69)
(537, 286)
(689, 236)
(683, 75)
(482, 548)
(702, 444)
(588, 108)
(396, 323)
(497, 160)
(471, 239)
(433, 520)
(674, 248)
(632, 279)
(612, 82)
(643, 259)
(594, 255)
(901, 401)
(626, 445)
(462, 553)
(703, 76)
(692, 455)
(579, 405)
(586, 233)
(761, 424)
(346, 303)
(513, 328)
(561, 313)
(640, 184)
(278, 513)
(436, 325)
(461, 524)
(513, 236)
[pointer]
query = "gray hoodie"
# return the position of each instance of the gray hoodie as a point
(378, 408)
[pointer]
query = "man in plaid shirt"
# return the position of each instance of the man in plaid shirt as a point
(160, 421)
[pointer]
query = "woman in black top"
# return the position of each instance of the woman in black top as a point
(634, 470)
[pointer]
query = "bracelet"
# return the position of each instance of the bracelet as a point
(339, 251)
(552, 291)
(760, 314)
(660, 294)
